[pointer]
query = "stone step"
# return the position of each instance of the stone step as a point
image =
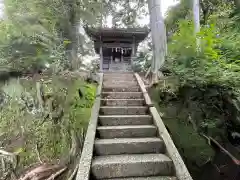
(108, 132)
(123, 110)
(122, 102)
(122, 95)
(127, 81)
(121, 88)
(114, 120)
(120, 83)
(146, 178)
(116, 79)
(129, 146)
(144, 165)
(119, 75)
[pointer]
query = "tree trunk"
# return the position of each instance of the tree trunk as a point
(158, 31)
(71, 34)
(205, 10)
(40, 95)
(196, 17)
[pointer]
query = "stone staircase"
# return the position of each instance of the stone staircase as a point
(127, 144)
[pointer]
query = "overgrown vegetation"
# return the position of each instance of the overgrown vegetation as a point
(45, 132)
(43, 117)
(215, 66)
(201, 94)
(34, 33)
(45, 101)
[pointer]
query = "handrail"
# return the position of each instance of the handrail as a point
(144, 91)
(87, 151)
(180, 168)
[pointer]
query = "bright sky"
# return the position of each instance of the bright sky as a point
(167, 3)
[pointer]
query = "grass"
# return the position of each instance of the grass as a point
(26, 131)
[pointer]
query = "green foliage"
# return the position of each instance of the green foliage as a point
(205, 97)
(193, 148)
(207, 66)
(23, 128)
(34, 33)
(177, 13)
(127, 13)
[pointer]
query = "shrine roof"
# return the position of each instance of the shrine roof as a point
(139, 33)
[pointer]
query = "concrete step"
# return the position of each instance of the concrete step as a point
(146, 178)
(114, 76)
(121, 88)
(122, 95)
(116, 82)
(119, 79)
(108, 132)
(129, 146)
(122, 102)
(144, 165)
(123, 110)
(119, 75)
(113, 80)
(114, 120)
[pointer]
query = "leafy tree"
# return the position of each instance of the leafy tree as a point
(36, 32)
(126, 13)
(183, 10)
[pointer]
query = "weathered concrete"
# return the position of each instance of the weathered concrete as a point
(122, 95)
(180, 168)
(122, 102)
(129, 146)
(144, 91)
(108, 132)
(118, 120)
(121, 88)
(116, 82)
(87, 151)
(119, 79)
(146, 178)
(117, 166)
(123, 110)
(119, 75)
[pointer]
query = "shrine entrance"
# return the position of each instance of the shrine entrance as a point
(116, 47)
(117, 59)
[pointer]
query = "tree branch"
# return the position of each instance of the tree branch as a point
(58, 173)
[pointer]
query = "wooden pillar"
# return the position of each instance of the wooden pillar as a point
(133, 50)
(111, 56)
(121, 50)
(101, 57)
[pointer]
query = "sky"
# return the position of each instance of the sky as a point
(167, 3)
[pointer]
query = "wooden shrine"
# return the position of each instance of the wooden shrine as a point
(116, 46)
